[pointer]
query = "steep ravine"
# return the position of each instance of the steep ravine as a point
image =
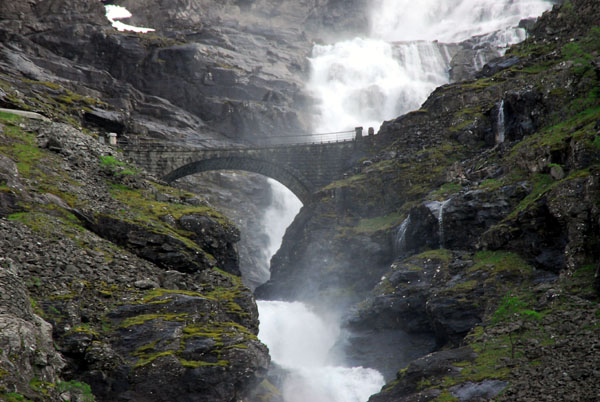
(519, 231)
(113, 280)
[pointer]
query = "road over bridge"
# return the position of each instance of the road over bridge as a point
(302, 168)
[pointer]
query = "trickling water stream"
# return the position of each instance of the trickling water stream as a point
(500, 127)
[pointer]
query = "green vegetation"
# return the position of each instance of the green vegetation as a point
(541, 184)
(441, 255)
(199, 363)
(41, 387)
(81, 389)
(115, 166)
(513, 308)
(142, 318)
(48, 98)
(446, 190)
(502, 263)
(378, 223)
(9, 117)
(22, 148)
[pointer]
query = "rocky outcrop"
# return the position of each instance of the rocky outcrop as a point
(519, 222)
(27, 353)
(134, 308)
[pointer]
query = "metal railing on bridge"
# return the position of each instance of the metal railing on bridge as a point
(267, 141)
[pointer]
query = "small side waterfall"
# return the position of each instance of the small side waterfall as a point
(500, 127)
(441, 221)
(437, 210)
(400, 238)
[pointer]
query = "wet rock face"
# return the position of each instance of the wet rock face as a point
(174, 355)
(312, 18)
(130, 305)
(440, 363)
(195, 81)
(215, 239)
(468, 215)
(426, 295)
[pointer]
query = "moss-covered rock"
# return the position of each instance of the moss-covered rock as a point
(120, 275)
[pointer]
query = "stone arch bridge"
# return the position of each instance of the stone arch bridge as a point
(302, 168)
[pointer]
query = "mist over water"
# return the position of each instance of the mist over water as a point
(362, 82)
(300, 341)
(449, 20)
(280, 214)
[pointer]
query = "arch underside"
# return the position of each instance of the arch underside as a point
(284, 174)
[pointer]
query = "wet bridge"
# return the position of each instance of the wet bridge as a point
(302, 167)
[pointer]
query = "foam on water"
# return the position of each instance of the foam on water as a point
(449, 20)
(362, 82)
(300, 340)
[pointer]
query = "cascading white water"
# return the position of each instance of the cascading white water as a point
(362, 82)
(280, 214)
(400, 240)
(441, 222)
(300, 341)
(450, 20)
(365, 81)
(437, 210)
(500, 128)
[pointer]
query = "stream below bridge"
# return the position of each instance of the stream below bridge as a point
(407, 56)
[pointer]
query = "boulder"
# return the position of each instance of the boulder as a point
(162, 249)
(215, 238)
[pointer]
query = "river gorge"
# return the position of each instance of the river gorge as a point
(450, 253)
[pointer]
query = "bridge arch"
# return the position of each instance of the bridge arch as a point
(286, 175)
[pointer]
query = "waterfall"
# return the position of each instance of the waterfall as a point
(299, 340)
(500, 128)
(441, 222)
(362, 82)
(279, 215)
(452, 20)
(437, 210)
(400, 238)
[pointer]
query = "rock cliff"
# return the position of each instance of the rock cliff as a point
(471, 231)
(474, 224)
(113, 281)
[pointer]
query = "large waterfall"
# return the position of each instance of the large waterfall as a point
(362, 82)
(300, 341)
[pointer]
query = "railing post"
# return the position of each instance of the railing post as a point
(358, 133)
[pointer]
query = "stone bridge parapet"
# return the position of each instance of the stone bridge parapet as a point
(303, 168)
